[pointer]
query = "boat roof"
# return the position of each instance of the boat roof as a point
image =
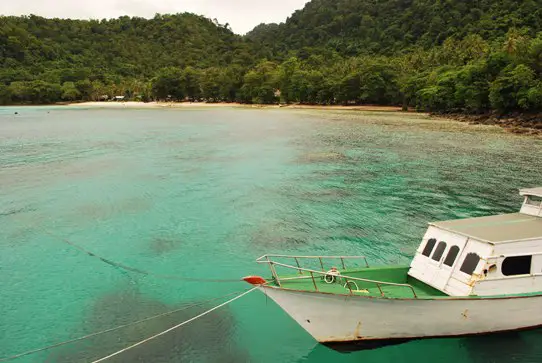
(531, 191)
(496, 229)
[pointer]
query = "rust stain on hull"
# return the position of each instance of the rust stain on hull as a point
(357, 332)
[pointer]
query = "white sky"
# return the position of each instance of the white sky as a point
(242, 15)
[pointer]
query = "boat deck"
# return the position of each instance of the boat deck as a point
(397, 275)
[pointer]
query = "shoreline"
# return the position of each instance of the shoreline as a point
(135, 104)
(521, 124)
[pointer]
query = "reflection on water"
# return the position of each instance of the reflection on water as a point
(203, 193)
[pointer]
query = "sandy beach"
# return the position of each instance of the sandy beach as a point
(131, 104)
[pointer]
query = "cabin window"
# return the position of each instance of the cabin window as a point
(439, 251)
(429, 247)
(519, 265)
(452, 255)
(534, 200)
(470, 263)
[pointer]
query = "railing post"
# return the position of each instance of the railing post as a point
(366, 263)
(298, 266)
(273, 271)
(314, 282)
(275, 275)
(349, 288)
(321, 263)
(380, 289)
(342, 262)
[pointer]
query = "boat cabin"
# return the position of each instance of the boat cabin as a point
(485, 256)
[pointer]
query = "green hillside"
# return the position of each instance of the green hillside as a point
(355, 27)
(450, 56)
(123, 53)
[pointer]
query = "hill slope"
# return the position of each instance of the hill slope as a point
(353, 27)
(59, 49)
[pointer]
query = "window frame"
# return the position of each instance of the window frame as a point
(465, 261)
(436, 250)
(454, 247)
(533, 200)
(430, 252)
(503, 269)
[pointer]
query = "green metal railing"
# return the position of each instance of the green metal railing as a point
(349, 280)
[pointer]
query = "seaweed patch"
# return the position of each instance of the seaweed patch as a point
(163, 245)
(208, 339)
(11, 212)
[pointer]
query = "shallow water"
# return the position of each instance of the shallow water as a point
(204, 192)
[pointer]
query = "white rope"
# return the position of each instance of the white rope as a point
(113, 329)
(173, 328)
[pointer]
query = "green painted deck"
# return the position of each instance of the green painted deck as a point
(397, 275)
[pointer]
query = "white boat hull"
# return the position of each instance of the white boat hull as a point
(357, 322)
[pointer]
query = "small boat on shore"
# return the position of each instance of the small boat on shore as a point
(468, 277)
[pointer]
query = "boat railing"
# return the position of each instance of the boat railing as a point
(349, 280)
(321, 259)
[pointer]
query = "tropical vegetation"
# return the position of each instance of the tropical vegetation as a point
(445, 56)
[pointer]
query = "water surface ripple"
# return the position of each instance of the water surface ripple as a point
(203, 193)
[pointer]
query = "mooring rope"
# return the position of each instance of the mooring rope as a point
(20, 355)
(134, 269)
(173, 328)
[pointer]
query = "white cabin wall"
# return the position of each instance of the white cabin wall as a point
(436, 273)
(532, 210)
(536, 268)
(419, 263)
(422, 267)
(460, 283)
(495, 283)
(518, 248)
(443, 271)
(484, 280)
(457, 288)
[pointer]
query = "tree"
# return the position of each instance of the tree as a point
(511, 90)
(168, 84)
(41, 92)
(19, 92)
(260, 84)
(284, 76)
(190, 80)
(70, 92)
(472, 89)
(5, 95)
(85, 89)
(210, 84)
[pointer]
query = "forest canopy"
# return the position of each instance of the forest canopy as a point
(447, 56)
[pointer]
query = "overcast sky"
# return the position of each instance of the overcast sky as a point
(242, 15)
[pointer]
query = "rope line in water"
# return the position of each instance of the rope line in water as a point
(134, 269)
(20, 355)
(173, 328)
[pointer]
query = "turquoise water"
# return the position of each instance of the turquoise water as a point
(202, 193)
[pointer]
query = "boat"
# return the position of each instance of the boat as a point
(468, 277)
